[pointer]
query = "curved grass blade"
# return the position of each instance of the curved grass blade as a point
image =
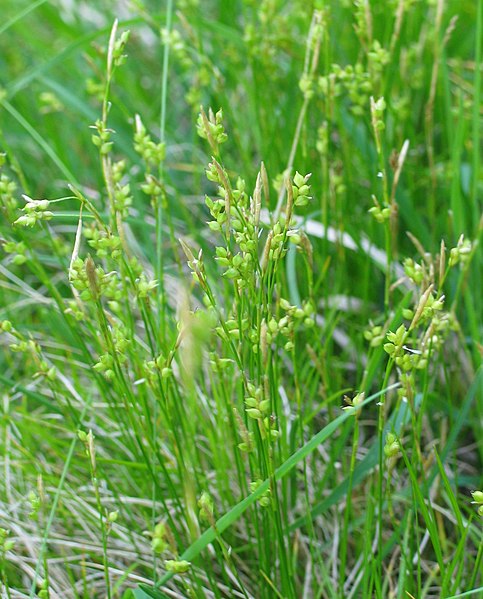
(395, 423)
(234, 514)
(20, 15)
(41, 142)
(467, 593)
(18, 84)
(145, 592)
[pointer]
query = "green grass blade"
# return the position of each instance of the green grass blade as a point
(19, 16)
(70, 177)
(396, 423)
(234, 514)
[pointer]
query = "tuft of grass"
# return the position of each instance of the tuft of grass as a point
(240, 301)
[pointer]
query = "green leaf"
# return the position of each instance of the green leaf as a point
(234, 514)
(145, 592)
(395, 423)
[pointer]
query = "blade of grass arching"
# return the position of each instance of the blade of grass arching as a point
(128, 594)
(395, 423)
(16, 167)
(77, 105)
(18, 84)
(145, 592)
(20, 15)
(230, 34)
(461, 419)
(234, 514)
(112, 461)
(41, 142)
(466, 593)
(457, 425)
(326, 402)
(34, 395)
(70, 99)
